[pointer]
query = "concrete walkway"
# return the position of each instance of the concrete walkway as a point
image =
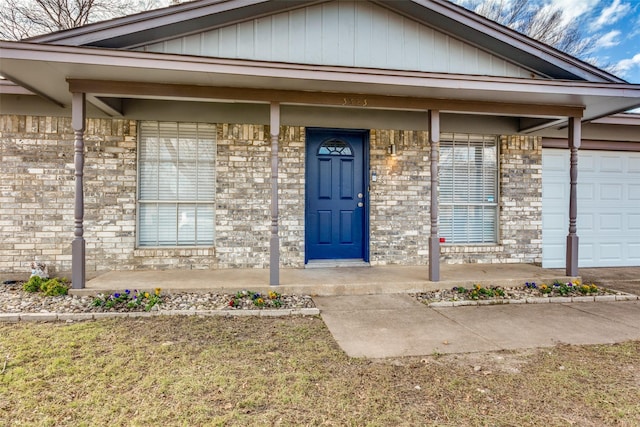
(323, 281)
(379, 326)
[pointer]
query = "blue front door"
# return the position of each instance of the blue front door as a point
(335, 219)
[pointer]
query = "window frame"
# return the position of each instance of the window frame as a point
(470, 140)
(178, 202)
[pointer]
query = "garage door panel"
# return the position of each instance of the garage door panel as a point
(610, 251)
(586, 162)
(586, 253)
(611, 163)
(610, 192)
(555, 162)
(555, 253)
(608, 220)
(586, 191)
(585, 223)
(555, 222)
(558, 195)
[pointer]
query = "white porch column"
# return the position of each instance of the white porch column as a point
(78, 259)
(434, 239)
(274, 244)
(575, 131)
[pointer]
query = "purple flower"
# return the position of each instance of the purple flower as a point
(116, 295)
(127, 291)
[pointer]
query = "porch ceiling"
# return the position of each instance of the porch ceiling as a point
(47, 69)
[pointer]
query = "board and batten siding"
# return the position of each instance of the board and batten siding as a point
(343, 33)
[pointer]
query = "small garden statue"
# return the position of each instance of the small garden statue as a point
(39, 269)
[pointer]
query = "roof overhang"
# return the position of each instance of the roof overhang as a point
(46, 70)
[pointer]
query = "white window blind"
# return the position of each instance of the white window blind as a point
(468, 175)
(176, 184)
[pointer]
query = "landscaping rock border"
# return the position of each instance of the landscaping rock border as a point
(17, 305)
(520, 295)
(537, 300)
(73, 317)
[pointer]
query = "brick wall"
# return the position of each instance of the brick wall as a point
(37, 199)
(291, 195)
(243, 196)
(38, 184)
(399, 200)
(521, 198)
(520, 208)
(399, 212)
(243, 167)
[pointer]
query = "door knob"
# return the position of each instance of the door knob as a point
(360, 204)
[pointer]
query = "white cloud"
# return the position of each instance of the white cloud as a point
(625, 65)
(574, 8)
(608, 40)
(636, 31)
(611, 14)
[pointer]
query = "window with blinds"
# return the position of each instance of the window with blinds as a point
(176, 166)
(468, 175)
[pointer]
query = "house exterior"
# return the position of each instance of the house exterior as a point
(283, 134)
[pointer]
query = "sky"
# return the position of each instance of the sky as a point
(613, 27)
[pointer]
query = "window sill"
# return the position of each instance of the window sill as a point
(182, 251)
(470, 247)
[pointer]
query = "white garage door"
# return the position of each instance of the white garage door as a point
(608, 208)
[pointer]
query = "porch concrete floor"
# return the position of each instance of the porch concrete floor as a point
(322, 281)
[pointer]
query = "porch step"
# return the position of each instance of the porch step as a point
(333, 263)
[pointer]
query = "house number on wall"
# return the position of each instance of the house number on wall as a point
(355, 102)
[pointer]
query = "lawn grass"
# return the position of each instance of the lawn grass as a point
(189, 371)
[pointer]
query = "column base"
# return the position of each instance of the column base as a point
(274, 261)
(572, 256)
(78, 263)
(434, 259)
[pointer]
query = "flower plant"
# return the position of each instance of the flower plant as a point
(558, 288)
(270, 300)
(130, 300)
(480, 292)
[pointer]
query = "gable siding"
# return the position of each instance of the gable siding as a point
(343, 33)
